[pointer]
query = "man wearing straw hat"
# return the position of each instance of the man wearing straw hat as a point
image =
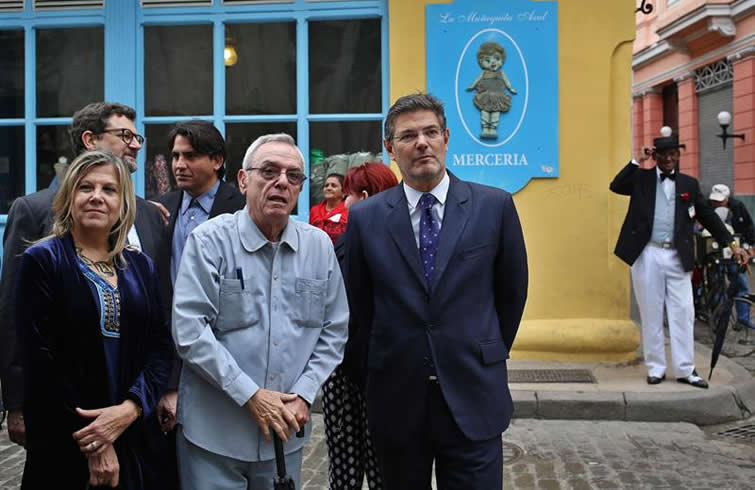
(656, 241)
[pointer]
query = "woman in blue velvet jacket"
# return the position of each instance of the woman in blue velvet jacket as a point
(98, 348)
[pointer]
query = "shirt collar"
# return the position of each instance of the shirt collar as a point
(205, 200)
(440, 192)
(252, 238)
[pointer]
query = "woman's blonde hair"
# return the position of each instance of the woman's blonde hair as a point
(62, 204)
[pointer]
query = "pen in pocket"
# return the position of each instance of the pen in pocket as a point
(240, 276)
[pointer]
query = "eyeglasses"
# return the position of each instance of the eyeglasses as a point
(273, 173)
(409, 137)
(126, 135)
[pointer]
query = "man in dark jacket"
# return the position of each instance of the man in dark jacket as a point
(656, 240)
(198, 154)
(734, 213)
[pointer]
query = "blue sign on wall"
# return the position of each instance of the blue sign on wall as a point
(494, 64)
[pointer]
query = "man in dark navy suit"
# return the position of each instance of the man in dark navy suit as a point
(656, 241)
(436, 272)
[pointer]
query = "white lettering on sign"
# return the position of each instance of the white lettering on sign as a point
(490, 160)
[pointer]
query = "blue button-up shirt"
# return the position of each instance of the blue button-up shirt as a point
(189, 217)
(251, 314)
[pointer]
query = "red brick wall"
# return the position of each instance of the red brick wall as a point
(688, 127)
(743, 122)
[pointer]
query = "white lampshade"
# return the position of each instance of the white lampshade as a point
(724, 118)
(665, 131)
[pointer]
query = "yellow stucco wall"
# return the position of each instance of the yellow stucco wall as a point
(578, 306)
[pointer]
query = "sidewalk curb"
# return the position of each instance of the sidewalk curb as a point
(718, 404)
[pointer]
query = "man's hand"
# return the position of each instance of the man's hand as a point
(166, 410)
(741, 256)
(164, 211)
(109, 423)
(17, 427)
(645, 159)
(104, 468)
(300, 409)
(268, 409)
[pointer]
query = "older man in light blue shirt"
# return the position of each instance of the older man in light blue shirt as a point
(260, 319)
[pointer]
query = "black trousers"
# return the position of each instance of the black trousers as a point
(460, 463)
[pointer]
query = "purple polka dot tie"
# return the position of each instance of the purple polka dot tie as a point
(429, 228)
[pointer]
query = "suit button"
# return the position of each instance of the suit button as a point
(426, 362)
(429, 326)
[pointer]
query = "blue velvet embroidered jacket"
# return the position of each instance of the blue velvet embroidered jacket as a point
(65, 361)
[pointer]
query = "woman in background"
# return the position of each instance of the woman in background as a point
(97, 347)
(351, 455)
(331, 215)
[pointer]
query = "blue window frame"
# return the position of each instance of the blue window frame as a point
(124, 25)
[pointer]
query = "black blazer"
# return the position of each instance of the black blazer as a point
(641, 184)
(149, 227)
(467, 321)
(227, 200)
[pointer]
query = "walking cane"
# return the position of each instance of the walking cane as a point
(282, 481)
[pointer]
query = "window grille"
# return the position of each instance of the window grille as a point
(67, 4)
(176, 3)
(11, 5)
(711, 76)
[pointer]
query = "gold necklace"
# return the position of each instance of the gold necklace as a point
(101, 267)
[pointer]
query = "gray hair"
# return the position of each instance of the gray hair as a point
(269, 138)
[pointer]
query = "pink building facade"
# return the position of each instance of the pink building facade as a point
(691, 60)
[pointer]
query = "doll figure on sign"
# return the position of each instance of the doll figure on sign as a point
(491, 86)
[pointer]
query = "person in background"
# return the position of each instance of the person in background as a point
(734, 213)
(351, 454)
(96, 341)
(656, 242)
(331, 215)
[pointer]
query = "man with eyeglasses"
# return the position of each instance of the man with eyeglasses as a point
(100, 126)
(437, 276)
(260, 319)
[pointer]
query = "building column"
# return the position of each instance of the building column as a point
(638, 127)
(689, 133)
(743, 120)
(652, 117)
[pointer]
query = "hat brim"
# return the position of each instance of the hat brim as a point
(717, 196)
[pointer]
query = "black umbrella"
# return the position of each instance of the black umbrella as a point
(722, 325)
(282, 481)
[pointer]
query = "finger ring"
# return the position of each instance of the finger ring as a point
(92, 446)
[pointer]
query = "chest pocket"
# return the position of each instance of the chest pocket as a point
(309, 309)
(236, 307)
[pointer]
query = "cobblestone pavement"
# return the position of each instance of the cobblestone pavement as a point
(554, 454)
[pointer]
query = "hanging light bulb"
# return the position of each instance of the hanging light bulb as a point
(230, 56)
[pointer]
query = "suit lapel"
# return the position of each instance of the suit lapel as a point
(143, 229)
(218, 205)
(455, 218)
(174, 206)
(400, 229)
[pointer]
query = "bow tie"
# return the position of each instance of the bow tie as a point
(668, 176)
